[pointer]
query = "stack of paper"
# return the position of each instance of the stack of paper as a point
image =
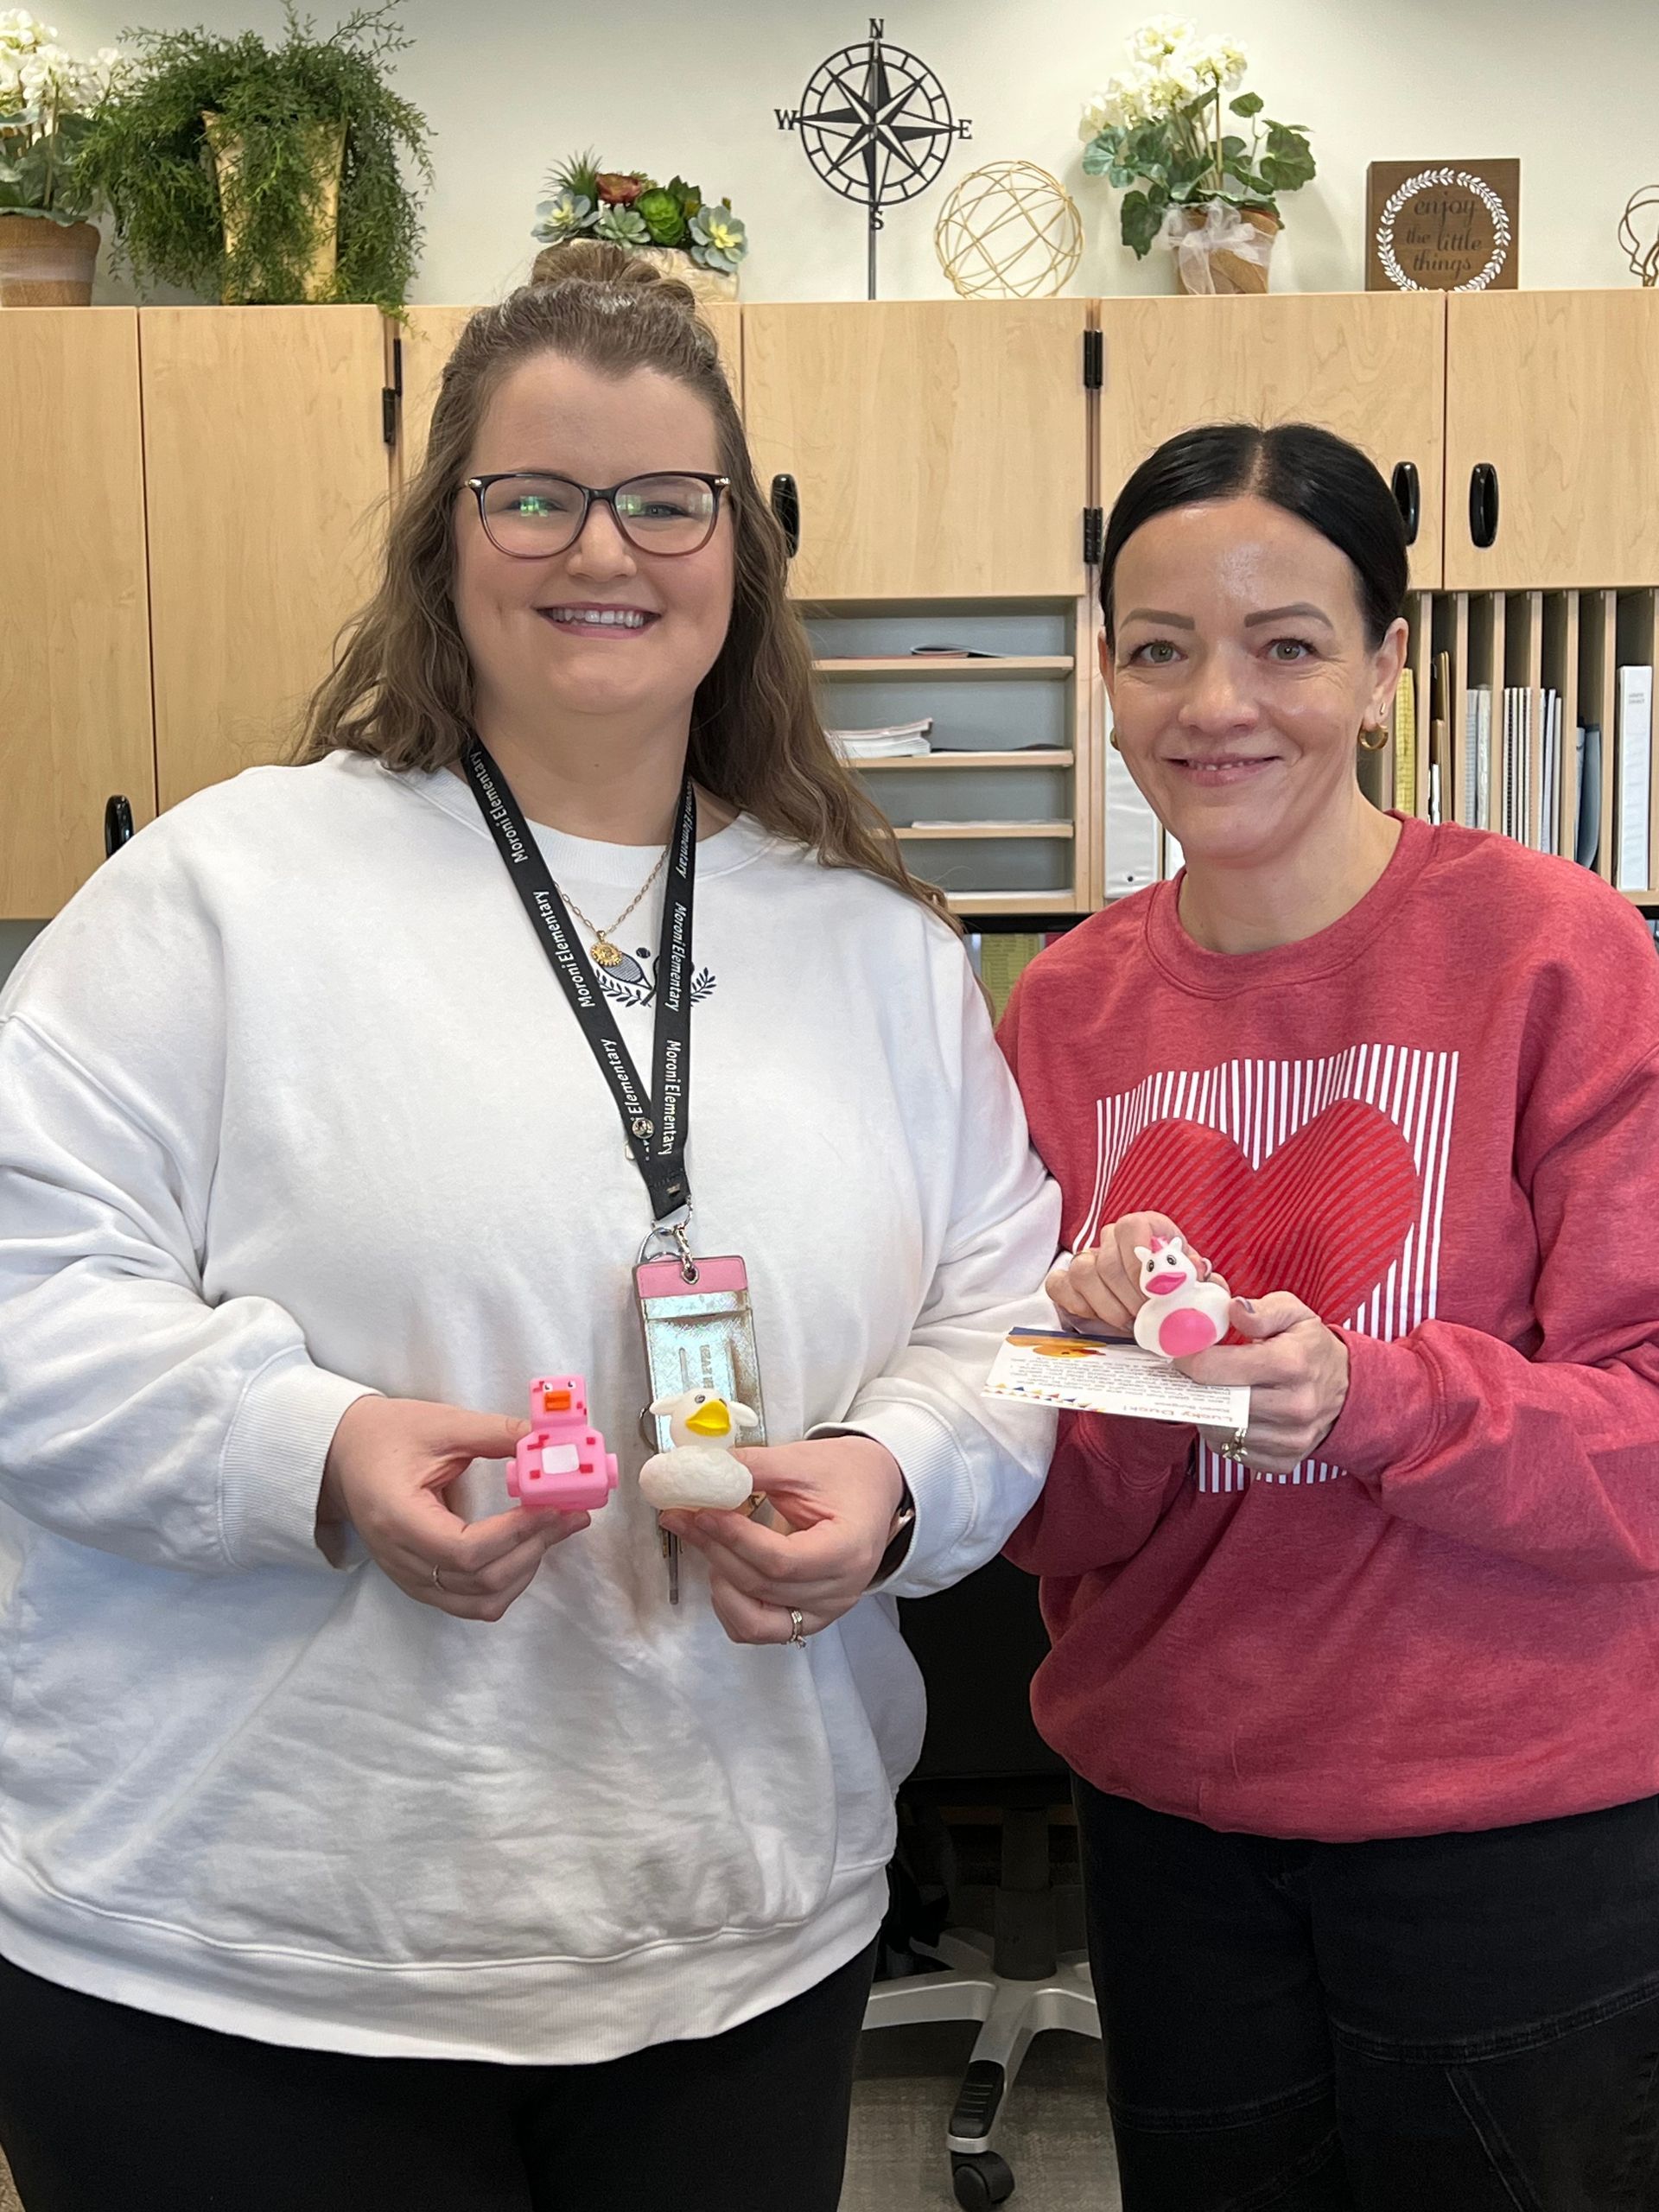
(1633, 778)
(892, 741)
(1478, 757)
(1587, 844)
(1405, 744)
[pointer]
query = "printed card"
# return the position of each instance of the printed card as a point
(1085, 1374)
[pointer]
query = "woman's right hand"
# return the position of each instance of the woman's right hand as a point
(388, 1467)
(1101, 1286)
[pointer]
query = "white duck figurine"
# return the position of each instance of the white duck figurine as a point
(1184, 1312)
(699, 1471)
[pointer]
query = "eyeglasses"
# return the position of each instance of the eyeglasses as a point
(527, 515)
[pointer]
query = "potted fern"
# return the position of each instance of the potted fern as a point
(266, 173)
(698, 240)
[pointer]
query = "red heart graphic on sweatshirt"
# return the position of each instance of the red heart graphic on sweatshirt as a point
(1323, 1218)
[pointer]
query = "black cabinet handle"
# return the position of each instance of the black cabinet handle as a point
(1483, 504)
(118, 824)
(1408, 497)
(786, 506)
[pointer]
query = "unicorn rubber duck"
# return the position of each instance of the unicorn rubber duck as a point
(1184, 1312)
(699, 1471)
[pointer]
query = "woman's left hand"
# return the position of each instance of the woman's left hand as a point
(837, 1495)
(1297, 1373)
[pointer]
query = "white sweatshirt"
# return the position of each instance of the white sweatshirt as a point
(291, 1106)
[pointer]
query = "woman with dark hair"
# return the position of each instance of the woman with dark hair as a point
(1362, 1696)
(366, 1841)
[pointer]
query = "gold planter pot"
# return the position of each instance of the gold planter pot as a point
(46, 265)
(327, 149)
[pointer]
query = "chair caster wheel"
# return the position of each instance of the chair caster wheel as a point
(982, 2181)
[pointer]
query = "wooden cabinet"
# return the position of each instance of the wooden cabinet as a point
(266, 470)
(427, 340)
(940, 447)
(1370, 366)
(1554, 392)
(74, 670)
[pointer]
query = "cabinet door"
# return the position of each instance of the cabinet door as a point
(1555, 391)
(1370, 365)
(428, 339)
(74, 669)
(940, 447)
(267, 478)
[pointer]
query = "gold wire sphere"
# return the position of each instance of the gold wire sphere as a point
(1643, 258)
(1009, 231)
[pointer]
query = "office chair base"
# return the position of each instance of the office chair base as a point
(1010, 2013)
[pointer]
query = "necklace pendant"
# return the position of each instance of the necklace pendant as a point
(606, 955)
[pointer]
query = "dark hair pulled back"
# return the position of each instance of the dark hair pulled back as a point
(1311, 474)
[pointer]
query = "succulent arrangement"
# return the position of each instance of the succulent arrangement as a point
(626, 207)
(1157, 131)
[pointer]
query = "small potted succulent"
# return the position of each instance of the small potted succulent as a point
(47, 104)
(698, 240)
(1190, 181)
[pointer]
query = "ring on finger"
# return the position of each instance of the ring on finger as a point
(1235, 1447)
(437, 1581)
(797, 1636)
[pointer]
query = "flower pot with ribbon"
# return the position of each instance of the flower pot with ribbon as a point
(1221, 248)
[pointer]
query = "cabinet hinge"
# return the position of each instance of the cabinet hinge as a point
(1094, 360)
(388, 414)
(1094, 536)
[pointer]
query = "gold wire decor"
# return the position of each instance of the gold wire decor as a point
(1644, 259)
(1009, 231)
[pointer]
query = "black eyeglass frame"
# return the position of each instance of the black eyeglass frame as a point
(605, 495)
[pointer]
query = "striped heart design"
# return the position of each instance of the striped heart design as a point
(1324, 1217)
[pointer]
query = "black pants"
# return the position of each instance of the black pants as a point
(1443, 2023)
(103, 2109)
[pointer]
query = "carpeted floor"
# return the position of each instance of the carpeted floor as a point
(1055, 2137)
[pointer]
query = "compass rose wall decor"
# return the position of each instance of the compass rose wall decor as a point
(876, 125)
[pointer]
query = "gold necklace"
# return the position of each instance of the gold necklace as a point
(605, 954)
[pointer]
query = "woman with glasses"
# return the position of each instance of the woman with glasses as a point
(1359, 1688)
(367, 1838)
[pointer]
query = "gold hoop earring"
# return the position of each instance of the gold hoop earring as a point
(1373, 736)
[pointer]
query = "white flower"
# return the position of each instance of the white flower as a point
(1170, 87)
(1216, 61)
(1161, 36)
(1097, 116)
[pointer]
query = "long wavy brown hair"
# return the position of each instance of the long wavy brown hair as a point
(402, 686)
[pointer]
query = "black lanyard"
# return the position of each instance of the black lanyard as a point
(656, 1122)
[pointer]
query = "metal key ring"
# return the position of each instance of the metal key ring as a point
(798, 1630)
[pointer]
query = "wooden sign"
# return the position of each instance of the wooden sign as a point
(1443, 226)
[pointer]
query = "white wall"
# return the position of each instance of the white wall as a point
(510, 85)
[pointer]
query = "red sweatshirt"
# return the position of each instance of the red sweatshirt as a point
(1436, 1122)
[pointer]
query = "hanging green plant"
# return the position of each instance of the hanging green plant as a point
(223, 158)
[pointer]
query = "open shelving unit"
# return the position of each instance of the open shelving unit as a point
(1573, 643)
(999, 815)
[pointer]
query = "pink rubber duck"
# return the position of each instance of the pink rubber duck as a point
(1185, 1313)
